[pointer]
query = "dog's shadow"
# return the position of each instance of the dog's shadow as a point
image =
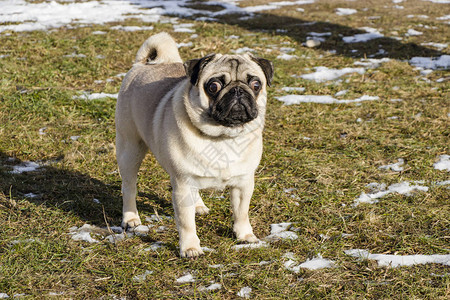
(69, 191)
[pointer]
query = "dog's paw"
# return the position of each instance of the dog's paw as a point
(191, 252)
(131, 223)
(201, 210)
(249, 238)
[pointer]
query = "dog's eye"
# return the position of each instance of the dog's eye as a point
(255, 85)
(214, 87)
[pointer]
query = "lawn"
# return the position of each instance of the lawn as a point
(367, 168)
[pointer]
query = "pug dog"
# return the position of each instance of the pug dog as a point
(202, 120)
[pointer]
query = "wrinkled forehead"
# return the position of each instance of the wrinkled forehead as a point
(233, 67)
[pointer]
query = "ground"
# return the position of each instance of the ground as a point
(320, 170)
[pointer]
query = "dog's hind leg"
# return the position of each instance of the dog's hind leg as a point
(200, 207)
(130, 153)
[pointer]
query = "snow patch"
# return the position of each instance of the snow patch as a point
(379, 191)
(412, 32)
(280, 232)
(259, 244)
(95, 96)
(185, 279)
(142, 277)
(212, 287)
(443, 164)
(439, 46)
(296, 99)
(286, 56)
(371, 33)
(46, 15)
(396, 167)
(394, 261)
(345, 11)
(26, 166)
(132, 28)
(243, 50)
(312, 264)
(371, 63)
(83, 233)
(155, 246)
(245, 292)
(441, 62)
(291, 89)
(323, 74)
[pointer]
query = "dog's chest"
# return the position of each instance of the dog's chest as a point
(219, 163)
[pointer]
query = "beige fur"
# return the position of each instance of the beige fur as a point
(159, 109)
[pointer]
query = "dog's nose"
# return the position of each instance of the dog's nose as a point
(237, 91)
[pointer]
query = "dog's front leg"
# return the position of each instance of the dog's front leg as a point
(184, 198)
(240, 201)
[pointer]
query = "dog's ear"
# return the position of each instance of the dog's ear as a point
(266, 66)
(193, 67)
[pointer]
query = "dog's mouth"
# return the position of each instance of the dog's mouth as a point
(235, 108)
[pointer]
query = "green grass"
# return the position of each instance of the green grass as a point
(329, 171)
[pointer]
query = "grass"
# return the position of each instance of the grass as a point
(328, 171)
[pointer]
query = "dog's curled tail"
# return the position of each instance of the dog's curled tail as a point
(158, 49)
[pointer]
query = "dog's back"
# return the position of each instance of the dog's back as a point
(156, 70)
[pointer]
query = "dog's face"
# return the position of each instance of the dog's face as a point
(232, 88)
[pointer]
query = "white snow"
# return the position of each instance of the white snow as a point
(25, 16)
(439, 46)
(418, 16)
(385, 260)
(155, 246)
(3, 296)
(131, 28)
(396, 167)
(371, 63)
(185, 279)
(443, 163)
(312, 264)
(439, 1)
(404, 188)
(280, 227)
(441, 62)
(341, 93)
(243, 50)
(413, 32)
(371, 34)
(296, 99)
(185, 27)
(94, 96)
(30, 195)
(443, 18)
(291, 89)
(245, 292)
(275, 5)
(345, 11)
(212, 287)
(259, 244)
(157, 218)
(26, 166)
(188, 45)
(286, 56)
(207, 249)
(142, 277)
(74, 54)
(317, 263)
(141, 230)
(280, 232)
(83, 233)
(323, 74)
